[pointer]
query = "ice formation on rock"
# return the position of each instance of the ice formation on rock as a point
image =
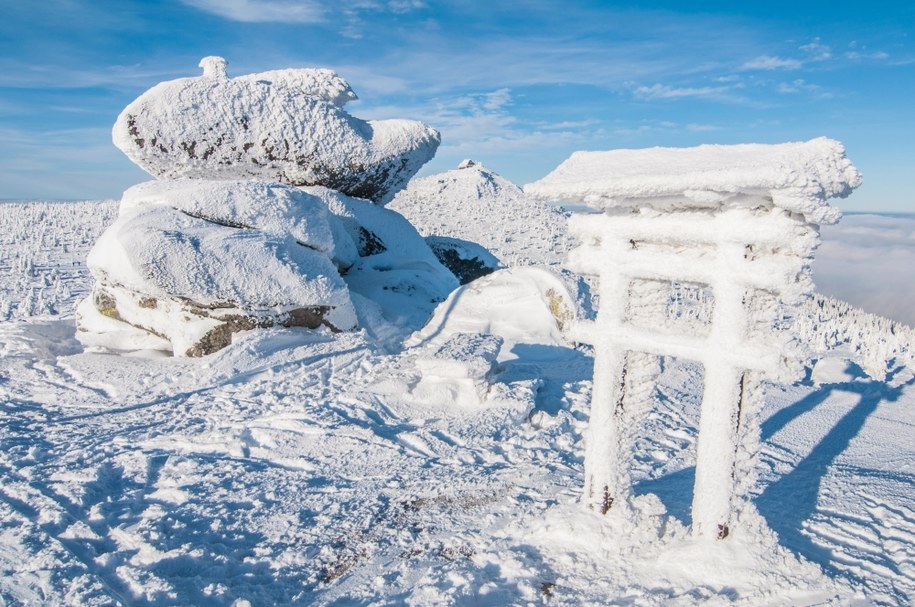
(458, 371)
(736, 224)
(284, 125)
(474, 204)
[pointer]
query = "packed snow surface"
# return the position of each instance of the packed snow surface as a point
(283, 125)
(290, 468)
(798, 177)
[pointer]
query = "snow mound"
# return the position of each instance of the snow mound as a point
(798, 177)
(519, 305)
(284, 125)
(458, 371)
(194, 262)
(473, 203)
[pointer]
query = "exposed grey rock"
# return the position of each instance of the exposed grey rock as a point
(466, 260)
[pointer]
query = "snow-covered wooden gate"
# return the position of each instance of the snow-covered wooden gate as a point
(740, 223)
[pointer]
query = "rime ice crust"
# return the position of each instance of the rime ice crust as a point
(798, 177)
(392, 266)
(282, 125)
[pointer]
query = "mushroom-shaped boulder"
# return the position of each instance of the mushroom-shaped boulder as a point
(287, 126)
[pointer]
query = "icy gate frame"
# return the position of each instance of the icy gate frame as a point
(738, 258)
(740, 220)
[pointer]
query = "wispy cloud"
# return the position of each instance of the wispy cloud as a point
(83, 160)
(302, 11)
(800, 85)
(860, 52)
(483, 123)
(856, 55)
(816, 50)
(768, 62)
(701, 128)
(811, 52)
(663, 91)
(654, 127)
(496, 100)
(19, 74)
(263, 11)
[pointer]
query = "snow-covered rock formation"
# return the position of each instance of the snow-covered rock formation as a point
(457, 373)
(736, 223)
(283, 125)
(195, 261)
(466, 260)
(473, 203)
(202, 254)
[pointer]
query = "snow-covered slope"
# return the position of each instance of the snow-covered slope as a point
(43, 248)
(475, 204)
(285, 470)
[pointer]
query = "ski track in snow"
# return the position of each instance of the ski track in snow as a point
(276, 472)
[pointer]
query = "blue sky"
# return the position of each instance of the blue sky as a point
(516, 85)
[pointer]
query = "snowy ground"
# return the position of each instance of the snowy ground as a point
(286, 470)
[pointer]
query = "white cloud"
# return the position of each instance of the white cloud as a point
(802, 86)
(263, 11)
(869, 261)
(701, 128)
(652, 127)
(495, 100)
(813, 51)
(33, 74)
(303, 11)
(83, 162)
(405, 6)
(662, 91)
(481, 124)
(768, 62)
(857, 55)
(816, 50)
